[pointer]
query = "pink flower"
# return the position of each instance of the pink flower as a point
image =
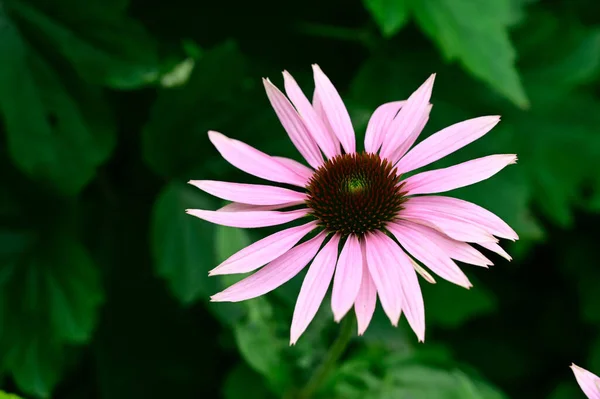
(358, 201)
(589, 383)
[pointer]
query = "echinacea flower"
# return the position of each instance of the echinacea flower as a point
(359, 201)
(589, 383)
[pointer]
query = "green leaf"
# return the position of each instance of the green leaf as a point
(175, 138)
(475, 33)
(104, 46)
(49, 297)
(242, 383)
(465, 304)
(4, 395)
(39, 107)
(390, 15)
(182, 245)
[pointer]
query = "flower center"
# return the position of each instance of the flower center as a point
(355, 193)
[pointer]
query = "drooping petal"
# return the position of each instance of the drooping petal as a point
(315, 125)
(263, 251)
(461, 175)
(274, 274)
(445, 142)
(411, 297)
(241, 207)
(467, 211)
(257, 163)
(293, 125)
(336, 111)
(315, 285)
(452, 226)
(254, 194)
(407, 119)
(248, 219)
(379, 123)
(346, 282)
(494, 247)
(428, 253)
(364, 306)
(458, 250)
(589, 382)
(412, 137)
(304, 171)
(386, 278)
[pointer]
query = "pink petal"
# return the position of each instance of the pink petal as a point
(315, 285)
(411, 297)
(450, 225)
(445, 142)
(315, 125)
(364, 307)
(248, 219)
(412, 137)
(293, 125)
(386, 278)
(346, 282)
(379, 123)
(467, 211)
(241, 207)
(492, 246)
(274, 274)
(318, 107)
(257, 163)
(408, 119)
(458, 250)
(304, 171)
(428, 253)
(263, 251)
(589, 382)
(461, 175)
(254, 194)
(336, 111)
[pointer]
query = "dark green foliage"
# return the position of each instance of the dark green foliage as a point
(104, 110)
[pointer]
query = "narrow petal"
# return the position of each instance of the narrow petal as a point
(364, 307)
(461, 175)
(386, 278)
(315, 285)
(304, 171)
(346, 282)
(408, 118)
(450, 225)
(589, 382)
(379, 123)
(257, 163)
(458, 250)
(412, 137)
(241, 207)
(411, 297)
(318, 107)
(445, 142)
(263, 251)
(467, 211)
(315, 125)
(336, 111)
(494, 247)
(293, 125)
(248, 219)
(274, 274)
(254, 194)
(428, 253)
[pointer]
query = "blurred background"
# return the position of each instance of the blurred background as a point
(104, 109)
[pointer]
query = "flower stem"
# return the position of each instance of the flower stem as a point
(331, 358)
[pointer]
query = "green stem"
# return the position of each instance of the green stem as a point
(331, 358)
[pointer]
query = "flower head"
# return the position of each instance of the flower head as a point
(359, 202)
(589, 383)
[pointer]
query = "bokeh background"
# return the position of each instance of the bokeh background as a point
(104, 109)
